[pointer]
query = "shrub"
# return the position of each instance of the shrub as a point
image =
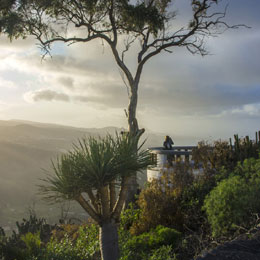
(129, 216)
(33, 244)
(223, 154)
(149, 244)
(249, 169)
(159, 202)
(29, 231)
(214, 156)
(84, 246)
(69, 242)
(231, 204)
(191, 203)
(162, 253)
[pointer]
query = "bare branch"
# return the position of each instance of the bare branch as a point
(121, 198)
(84, 204)
(93, 199)
(112, 193)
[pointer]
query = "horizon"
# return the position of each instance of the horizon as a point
(178, 139)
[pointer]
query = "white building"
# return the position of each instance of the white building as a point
(161, 155)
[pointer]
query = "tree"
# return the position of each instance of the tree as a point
(95, 167)
(147, 22)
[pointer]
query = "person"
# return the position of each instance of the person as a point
(167, 144)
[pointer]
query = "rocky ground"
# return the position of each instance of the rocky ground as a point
(246, 247)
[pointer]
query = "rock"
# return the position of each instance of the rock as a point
(240, 249)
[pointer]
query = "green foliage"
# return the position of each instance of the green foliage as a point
(162, 253)
(92, 164)
(30, 232)
(192, 200)
(249, 169)
(34, 225)
(129, 216)
(84, 247)
(232, 203)
(136, 17)
(26, 17)
(150, 244)
(33, 243)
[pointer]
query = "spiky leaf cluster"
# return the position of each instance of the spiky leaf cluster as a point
(92, 164)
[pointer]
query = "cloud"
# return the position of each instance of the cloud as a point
(106, 95)
(250, 110)
(45, 95)
(18, 44)
(7, 84)
(67, 82)
(190, 97)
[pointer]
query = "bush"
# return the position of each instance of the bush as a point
(214, 156)
(222, 154)
(83, 246)
(162, 253)
(159, 202)
(249, 169)
(148, 245)
(68, 242)
(231, 204)
(19, 244)
(191, 202)
(33, 244)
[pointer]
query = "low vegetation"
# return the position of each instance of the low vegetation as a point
(175, 218)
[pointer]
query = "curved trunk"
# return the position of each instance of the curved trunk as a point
(108, 240)
(132, 122)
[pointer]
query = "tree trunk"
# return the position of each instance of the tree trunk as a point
(134, 130)
(108, 240)
(132, 190)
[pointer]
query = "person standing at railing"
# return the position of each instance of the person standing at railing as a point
(167, 145)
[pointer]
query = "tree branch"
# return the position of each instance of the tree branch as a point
(112, 193)
(105, 203)
(84, 204)
(121, 198)
(93, 199)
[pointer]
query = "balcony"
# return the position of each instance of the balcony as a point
(160, 157)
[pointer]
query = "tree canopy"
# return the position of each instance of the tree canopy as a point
(95, 164)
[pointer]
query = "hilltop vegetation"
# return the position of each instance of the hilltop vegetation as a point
(173, 222)
(26, 148)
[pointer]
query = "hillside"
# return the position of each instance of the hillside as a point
(26, 151)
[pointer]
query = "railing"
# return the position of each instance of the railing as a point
(161, 158)
(177, 153)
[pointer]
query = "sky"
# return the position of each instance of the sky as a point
(180, 94)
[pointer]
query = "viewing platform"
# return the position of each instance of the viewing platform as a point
(160, 158)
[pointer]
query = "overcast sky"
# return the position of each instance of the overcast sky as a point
(180, 94)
